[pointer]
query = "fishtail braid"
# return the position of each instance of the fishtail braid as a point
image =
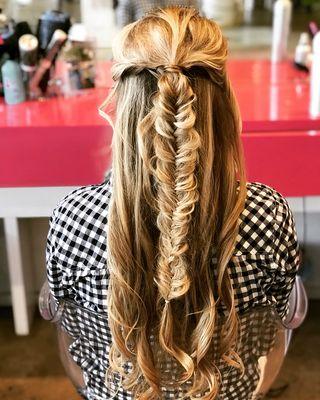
(176, 145)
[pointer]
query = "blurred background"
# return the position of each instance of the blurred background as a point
(55, 59)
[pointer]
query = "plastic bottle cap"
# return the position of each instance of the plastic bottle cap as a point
(28, 42)
(304, 38)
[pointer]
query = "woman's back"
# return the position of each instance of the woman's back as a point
(262, 271)
(178, 251)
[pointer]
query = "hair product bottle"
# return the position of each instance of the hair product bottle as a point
(303, 52)
(49, 22)
(315, 77)
(282, 10)
(28, 49)
(13, 87)
(224, 12)
(39, 82)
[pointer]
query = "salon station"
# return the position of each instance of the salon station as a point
(56, 63)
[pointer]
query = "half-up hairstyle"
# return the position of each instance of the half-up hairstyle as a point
(178, 189)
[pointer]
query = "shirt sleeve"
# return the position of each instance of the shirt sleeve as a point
(76, 240)
(286, 256)
(53, 269)
(57, 245)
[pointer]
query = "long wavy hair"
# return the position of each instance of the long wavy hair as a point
(178, 188)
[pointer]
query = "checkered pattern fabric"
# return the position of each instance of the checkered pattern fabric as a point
(262, 271)
(90, 341)
(129, 11)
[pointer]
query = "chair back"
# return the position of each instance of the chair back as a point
(262, 345)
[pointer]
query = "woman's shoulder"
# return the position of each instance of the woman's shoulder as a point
(265, 214)
(77, 224)
(83, 201)
(257, 192)
(76, 241)
(265, 201)
(267, 250)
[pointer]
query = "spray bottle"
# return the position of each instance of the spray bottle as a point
(302, 57)
(315, 78)
(14, 91)
(282, 10)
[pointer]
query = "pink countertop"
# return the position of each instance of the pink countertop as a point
(286, 161)
(78, 110)
(64, 142)
(271, 98)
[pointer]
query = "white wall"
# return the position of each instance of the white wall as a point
(99, 19)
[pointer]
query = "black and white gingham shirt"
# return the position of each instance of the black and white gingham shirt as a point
(262, 271)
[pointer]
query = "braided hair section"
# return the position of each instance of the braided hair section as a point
(176, 145)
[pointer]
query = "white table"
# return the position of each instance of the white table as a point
(15, 203)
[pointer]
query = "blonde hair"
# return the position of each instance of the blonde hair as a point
(178, 188)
